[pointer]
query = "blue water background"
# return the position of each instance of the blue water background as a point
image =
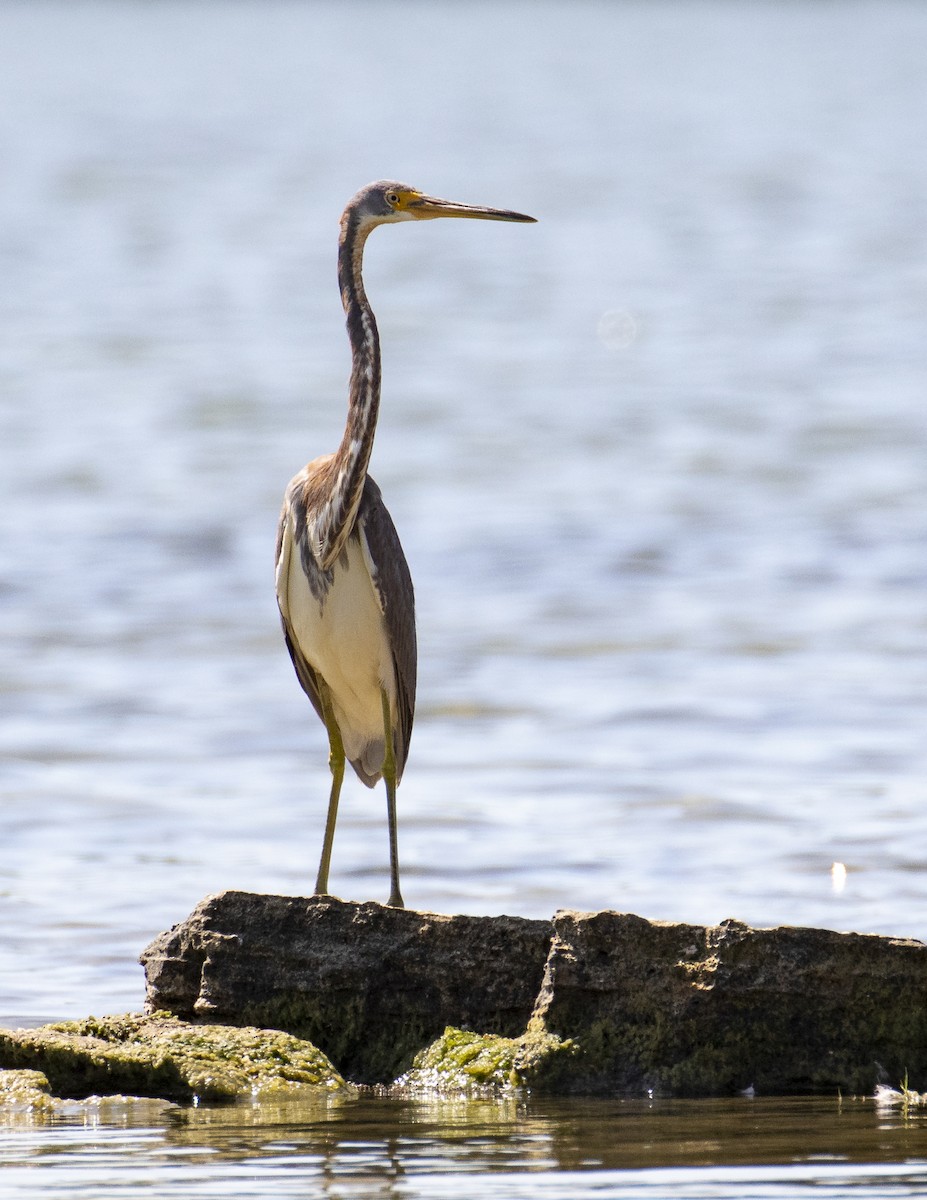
(659, 463)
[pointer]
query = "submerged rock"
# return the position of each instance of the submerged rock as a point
(161, 1056)
(25, 1091)
(26, 1098)
(597, 1003)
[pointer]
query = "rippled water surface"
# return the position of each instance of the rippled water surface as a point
(659, 462)
(510, 1149)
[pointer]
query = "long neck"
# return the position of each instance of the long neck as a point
(349, 466)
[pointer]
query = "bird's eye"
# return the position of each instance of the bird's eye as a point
(392, 198)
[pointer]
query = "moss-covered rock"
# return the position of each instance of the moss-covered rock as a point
(26, 1099)
(25, 1091)
(164, 1057)
(462, 1061)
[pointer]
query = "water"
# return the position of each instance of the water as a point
(658, 462)
(509, 1149)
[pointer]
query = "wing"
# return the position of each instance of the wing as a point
(393, 585)
(287, 556)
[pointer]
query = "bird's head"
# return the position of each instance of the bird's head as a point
(387, 201)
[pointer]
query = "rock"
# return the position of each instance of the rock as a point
(163, 1057)
(594, 1003)
(694, 1010)
(25, 1091)
(472, 1063)
(26, 1099)
(372, 984)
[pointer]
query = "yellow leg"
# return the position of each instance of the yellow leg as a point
(389, 778)
(336, 764)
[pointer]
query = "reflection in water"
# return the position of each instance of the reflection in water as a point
(519, 1133)
(376, 1146)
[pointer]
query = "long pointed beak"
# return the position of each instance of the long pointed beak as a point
(426, 208)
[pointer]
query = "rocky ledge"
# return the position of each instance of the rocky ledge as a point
(591, 1003)
(156, 1056)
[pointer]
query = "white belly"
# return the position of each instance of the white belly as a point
(344, 639)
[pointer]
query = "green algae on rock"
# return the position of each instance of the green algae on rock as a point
(25, 1091)
(463, 1061)
(26, 1100)
(164, 1057)
(691, 1010)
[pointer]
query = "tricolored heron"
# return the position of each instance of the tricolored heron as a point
(343, 584)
